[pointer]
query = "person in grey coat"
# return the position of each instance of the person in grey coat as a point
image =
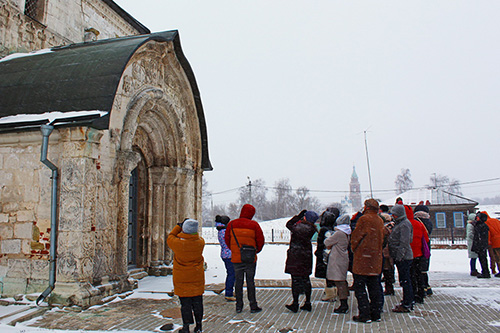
(400, 250)
(338, 260)
(470, 238)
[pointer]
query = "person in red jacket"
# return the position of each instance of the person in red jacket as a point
(419, 235)
(247, 232)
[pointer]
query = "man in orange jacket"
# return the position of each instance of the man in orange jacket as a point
(247, 232)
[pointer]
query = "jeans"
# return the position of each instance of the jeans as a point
(229, 277)
(405, 281)
(190, 305)
(473, 265)
(247, 271)
(373, 307)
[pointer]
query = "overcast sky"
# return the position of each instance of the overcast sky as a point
(289, 87)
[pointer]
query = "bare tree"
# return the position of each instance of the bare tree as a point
(255, 194)
(449, 185)
(282, 203)
(403, 181)
(206, 202)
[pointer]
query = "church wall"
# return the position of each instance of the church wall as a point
(64, 22)
(154, 112)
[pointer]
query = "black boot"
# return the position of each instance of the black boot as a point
(294, 307)
(185, 329)
(343, 307)
(307, 306)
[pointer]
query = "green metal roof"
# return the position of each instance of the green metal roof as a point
(82, 77)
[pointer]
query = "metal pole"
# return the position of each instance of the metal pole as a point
(368, 163)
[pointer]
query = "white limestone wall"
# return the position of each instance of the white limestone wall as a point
(64, 22)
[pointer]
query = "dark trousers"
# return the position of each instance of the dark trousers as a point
(373, 307)
(190, 305)
(473, 265)
(301, 285)
(417, 279)
(483, 260)
(405, 281)
(247, 272)
(230, 277)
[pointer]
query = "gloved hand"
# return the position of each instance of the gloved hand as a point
(302, 213)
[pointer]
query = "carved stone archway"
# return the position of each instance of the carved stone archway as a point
(157, 139)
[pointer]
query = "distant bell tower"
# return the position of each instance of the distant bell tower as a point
(355, 191)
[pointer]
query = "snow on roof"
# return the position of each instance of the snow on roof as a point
(435, 196)
(21, 55)
(49, 116)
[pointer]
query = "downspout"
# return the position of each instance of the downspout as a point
(46, 131)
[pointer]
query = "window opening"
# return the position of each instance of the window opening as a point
(441, 220)
(35, 9)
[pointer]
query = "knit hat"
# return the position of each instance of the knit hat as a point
(190, 226)
(372, 203)
(222, 219)
(398, 210)
(472, 217)
(421, 208)
(311, 216)
(344, 219)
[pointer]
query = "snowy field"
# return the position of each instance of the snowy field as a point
(449, 268)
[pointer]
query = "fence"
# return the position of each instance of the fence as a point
(440, 236)
(448, 236)
(273, 236)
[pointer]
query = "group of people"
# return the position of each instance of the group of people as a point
(483, 238)
(371, 245)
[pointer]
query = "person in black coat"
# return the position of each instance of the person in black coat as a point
(480, 244)
(327, 222)
(299, 257)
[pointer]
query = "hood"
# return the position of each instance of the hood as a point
(345, 228)
(247, 211)
(399, 211)
(409, 212)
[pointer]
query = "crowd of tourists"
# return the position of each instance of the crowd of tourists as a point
(371, 244)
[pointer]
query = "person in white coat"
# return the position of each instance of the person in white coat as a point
(338, 261)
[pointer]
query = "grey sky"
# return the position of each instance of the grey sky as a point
(288, 88)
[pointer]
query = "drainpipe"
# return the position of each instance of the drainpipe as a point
(46, 130)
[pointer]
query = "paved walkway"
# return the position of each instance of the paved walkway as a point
(448, 310)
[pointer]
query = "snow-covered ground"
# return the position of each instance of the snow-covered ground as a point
(449, 268)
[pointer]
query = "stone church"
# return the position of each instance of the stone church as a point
(103, 145)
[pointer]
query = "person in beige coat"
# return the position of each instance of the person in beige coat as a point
(338, 260)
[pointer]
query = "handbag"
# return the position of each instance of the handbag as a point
(425, 249)
(247, 252)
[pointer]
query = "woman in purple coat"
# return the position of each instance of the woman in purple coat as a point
(225, 254)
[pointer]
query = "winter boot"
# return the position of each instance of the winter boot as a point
(389, 289)
(294, 307)
(306, 306)
(474, 273)
(185, 329)
(343, 308)
(330, 294)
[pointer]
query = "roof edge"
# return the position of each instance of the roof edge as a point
(127, 17)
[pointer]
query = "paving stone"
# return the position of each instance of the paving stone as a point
(445, 311)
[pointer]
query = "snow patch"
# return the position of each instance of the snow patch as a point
(50, 116)
(22, 55)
